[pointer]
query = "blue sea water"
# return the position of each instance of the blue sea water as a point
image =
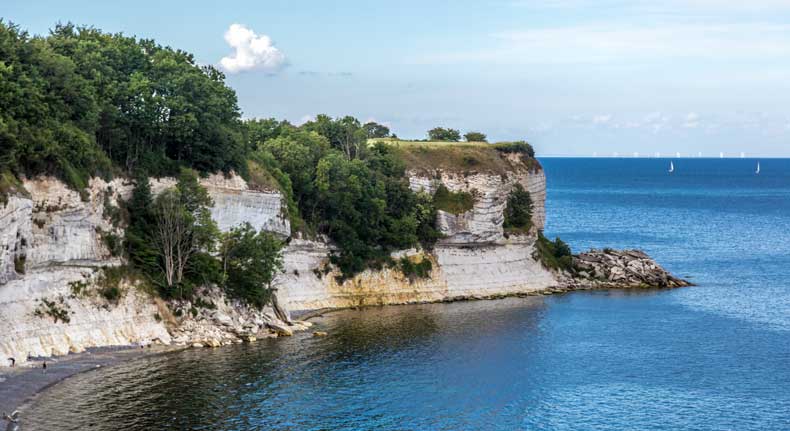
(711, 357)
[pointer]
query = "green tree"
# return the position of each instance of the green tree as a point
(258, 131)
(346, 134)
(250, 261)
(183, 236)
(376, 130)
(518, 212)
(442, 134)
(81, 103)
(475, 137)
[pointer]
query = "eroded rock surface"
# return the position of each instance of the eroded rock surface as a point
(622, 268)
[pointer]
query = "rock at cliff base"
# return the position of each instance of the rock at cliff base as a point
(621, 269)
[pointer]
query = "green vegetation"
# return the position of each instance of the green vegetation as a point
(453, 202)
(442, 134)
(518, 212)
(57, 309)
(172, 240)
(415, 270)
(518, 147)
(475, 137)
(80, 103)
(250, 260)
(425, 157)
(9, 184)
(553, 254)
(19, 263)
(376, 130)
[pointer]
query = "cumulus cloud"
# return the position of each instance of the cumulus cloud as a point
(251, 51)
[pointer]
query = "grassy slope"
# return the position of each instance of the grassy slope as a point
(466, 157)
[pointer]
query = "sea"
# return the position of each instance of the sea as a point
(715, 356)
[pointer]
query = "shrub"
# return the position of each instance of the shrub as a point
(414, 270)
(78, 288)
(475, 137)
(250, 261)
(518, 212)
(452, 202)
(553, 254)
(444, 134)
(58, 310)
(518, 147)
(113, 242)
(109, 282)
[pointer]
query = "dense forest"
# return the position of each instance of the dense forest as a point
(80, 103)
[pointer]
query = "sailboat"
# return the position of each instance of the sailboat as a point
(671, 167)
(757, 172)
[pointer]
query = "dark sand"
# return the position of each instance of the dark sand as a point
(20, 384)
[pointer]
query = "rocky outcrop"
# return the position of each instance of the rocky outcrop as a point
(622, 269)
(219, 321)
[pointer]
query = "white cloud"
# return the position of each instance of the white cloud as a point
(602, 119)
(692, 120)
(251, 51)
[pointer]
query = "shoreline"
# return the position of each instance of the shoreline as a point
(20, 385)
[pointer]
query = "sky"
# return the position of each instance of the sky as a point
(573, 77)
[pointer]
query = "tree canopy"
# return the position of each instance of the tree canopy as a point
(443, 134)
(475, 137)
(81, 103)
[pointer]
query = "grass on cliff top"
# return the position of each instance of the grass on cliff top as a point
(463, 157)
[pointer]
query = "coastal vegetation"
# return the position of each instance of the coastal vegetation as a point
(555, 254)
(81, 103)
(444, 134)
(453, 202)
(475, 137)
(518, 211)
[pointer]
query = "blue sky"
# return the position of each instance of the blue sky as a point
(571, 76)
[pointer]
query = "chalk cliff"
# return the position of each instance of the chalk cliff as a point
(55, 242)
(473, 260)
(53, 246)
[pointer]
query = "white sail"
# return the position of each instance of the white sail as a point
(758, 169)
(671, 167)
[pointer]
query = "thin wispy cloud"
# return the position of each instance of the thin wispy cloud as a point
(612, 44)
(251, 51)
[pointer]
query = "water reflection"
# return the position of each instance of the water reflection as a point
(373, 357)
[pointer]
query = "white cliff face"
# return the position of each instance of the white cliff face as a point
(483, 223)
(235, 204)
(14, 236)
(458, 273)
(55, 237)
(67, 229)
(473, 260)
(92, 321)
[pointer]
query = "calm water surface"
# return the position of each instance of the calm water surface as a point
(712, 357)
